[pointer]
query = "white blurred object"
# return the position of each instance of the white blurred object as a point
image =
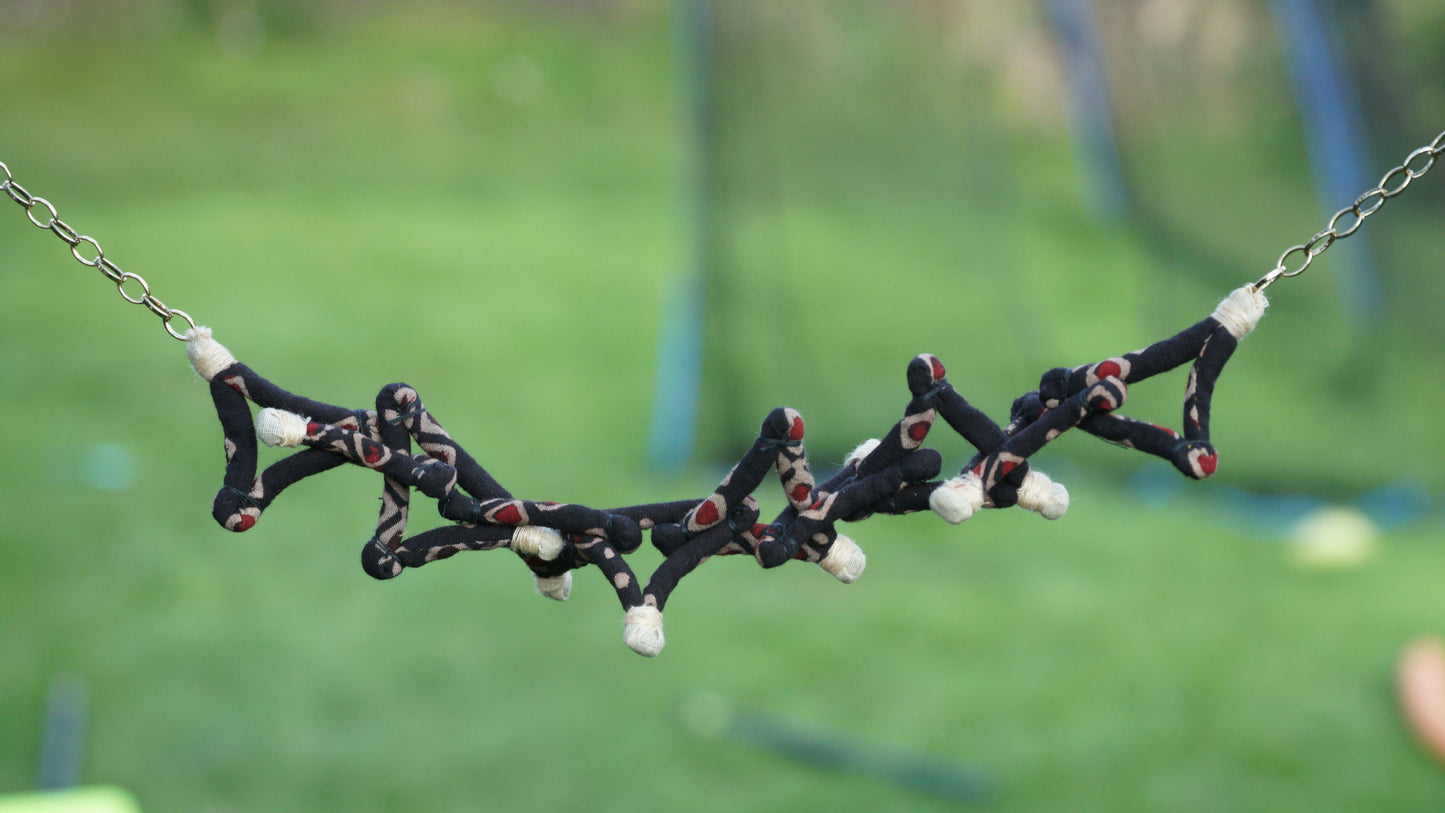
(1333, 537)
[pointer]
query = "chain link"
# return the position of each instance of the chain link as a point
(1397, 180)
(1391, 184)
(88, 252)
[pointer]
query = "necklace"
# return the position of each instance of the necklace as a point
(895, 474)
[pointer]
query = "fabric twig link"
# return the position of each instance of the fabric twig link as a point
(890, 475)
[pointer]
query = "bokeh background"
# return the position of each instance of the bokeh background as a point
(603, 239)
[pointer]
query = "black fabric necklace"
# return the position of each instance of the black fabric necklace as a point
(893, 475)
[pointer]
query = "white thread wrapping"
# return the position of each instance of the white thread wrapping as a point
(643, 630)
(277, 427)
(864, 449)
(958, 498)
(1043, 496)
(845, 560)
(1241, 310)
(534, 540)
(557, 588)
(207, 355)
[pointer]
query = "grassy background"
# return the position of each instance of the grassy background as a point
(487, 201)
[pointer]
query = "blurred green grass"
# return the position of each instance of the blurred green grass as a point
(484, 201)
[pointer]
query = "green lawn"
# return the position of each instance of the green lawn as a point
(487, 203)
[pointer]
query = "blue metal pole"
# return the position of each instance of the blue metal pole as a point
(1332, 124)
(1086, 81)
(680, 350)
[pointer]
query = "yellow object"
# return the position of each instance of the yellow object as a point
(1334, 537)
(79, 800)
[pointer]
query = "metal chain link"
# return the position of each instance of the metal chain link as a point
(88, 253)
(1347, 221)
(1342, 224)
